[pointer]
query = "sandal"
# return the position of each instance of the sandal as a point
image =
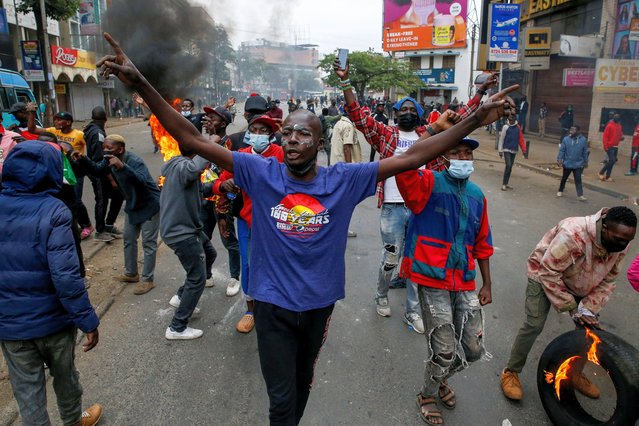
(447, 397)
(428, 411)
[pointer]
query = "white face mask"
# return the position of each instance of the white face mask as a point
(186, 113)
(461, 169)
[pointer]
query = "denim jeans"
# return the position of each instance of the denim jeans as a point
(25, 361)
(149, 231)
(577, 174)
(612, 159)
(454, 324)
(196, 254)
(209, 219)
(81, 209)
(244, 238)
(509, 159)
(393, 225)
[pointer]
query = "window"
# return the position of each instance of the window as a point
(431, 62)
(415, 62)
(448, 62)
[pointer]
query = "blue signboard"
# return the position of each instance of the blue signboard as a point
(504, 32)
(32, 61)
(436, 75)
(4, 24)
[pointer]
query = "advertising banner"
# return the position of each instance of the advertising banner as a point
(89, 17)
(578, 77)
(32, 60)
(625, 47)
(615, 75)
(424, 24)
(72, 58)
(436, 75)
(504, 32)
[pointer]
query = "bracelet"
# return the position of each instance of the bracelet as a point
(346, 87)
(430, 130)
(345, 84)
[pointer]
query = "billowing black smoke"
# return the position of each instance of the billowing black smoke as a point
(164, 40)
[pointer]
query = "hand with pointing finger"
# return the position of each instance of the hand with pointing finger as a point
(119, 65)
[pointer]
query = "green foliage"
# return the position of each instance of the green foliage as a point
(372, 71)
(58, 10)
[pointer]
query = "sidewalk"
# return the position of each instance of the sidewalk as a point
(542, 159)
(111, 122)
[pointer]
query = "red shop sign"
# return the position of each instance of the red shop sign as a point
(64, 56)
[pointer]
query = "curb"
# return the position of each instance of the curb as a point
(543, 171)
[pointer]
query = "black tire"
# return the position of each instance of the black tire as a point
(617, 356)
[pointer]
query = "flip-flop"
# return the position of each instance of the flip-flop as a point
(422, 402)
(448, 398)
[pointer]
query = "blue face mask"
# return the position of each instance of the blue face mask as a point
(461, 169)
(259, 142)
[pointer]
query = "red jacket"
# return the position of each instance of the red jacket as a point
(612, 135)
(247, 209)
(635, 137)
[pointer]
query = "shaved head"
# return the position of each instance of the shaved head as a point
(305, 117)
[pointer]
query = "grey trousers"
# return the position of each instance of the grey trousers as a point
(26, 359)
(149, 231)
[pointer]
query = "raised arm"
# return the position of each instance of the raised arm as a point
(179, 127)
(423, 152)
(31, 120)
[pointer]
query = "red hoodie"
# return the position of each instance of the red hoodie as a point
(612, 135)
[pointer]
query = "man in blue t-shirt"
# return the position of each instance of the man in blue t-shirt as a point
(301, 213)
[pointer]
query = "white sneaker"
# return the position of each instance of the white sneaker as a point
(210, 283)
(560, 194)
(414, 322)
(582, 198)
(188, 334)
(233, 288)
(382, 306)
(175, 302)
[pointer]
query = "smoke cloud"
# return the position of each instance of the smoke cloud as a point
(164, 40)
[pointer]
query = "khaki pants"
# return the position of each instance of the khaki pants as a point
(542, 127)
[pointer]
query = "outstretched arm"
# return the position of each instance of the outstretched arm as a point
(423, 152)
(179, 127)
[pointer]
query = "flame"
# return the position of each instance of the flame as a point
(566, 366)
(161, 181)
(168, 146)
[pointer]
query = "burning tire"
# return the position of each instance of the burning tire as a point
(615, 355)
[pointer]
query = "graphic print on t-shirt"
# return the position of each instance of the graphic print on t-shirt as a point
(300, 216)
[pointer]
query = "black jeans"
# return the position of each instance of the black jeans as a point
(612, 159)
(509, 159)
(104, 192)
(209, 218)
(288, 344)
(577, 175)
(196, 255)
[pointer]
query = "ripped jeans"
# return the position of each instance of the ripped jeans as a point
(393, 225)
(454, 330)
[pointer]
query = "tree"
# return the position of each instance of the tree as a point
(372, 71)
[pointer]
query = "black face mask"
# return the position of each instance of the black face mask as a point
(300, 170)
(616, 120)
(408, 121)
(613, 247)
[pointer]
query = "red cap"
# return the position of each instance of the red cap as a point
(273, 123)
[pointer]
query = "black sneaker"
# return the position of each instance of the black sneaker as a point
(103, 236)
(111, 229)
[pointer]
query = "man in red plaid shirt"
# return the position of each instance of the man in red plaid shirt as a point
(389, 141)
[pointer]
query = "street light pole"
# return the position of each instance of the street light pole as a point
(48, 76)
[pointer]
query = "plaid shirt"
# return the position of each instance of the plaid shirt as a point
(383, 138)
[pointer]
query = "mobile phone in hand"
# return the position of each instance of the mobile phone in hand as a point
(342, 56)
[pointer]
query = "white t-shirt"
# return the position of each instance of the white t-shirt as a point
(406, 140)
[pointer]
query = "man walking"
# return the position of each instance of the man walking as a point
(612, 135)
(43, 300)
(511, 139)
(523, 113)
(573, 158)
(634, 151)
(541, 121)
(142, 208)
(573, 269)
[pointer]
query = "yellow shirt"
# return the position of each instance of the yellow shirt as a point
(74, 137)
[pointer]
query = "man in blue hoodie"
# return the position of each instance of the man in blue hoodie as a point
(573, 157)
(43, 300)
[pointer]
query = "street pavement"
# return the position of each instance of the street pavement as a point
(371, 368)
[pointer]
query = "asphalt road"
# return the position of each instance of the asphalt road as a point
(370, 368)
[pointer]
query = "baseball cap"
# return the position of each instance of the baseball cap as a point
(64, 115)
(220, 111)
(256, 105)
(270, 122)
(472, 142)
(17, 107)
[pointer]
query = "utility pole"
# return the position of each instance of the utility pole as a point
(48, 75)
(472, 60)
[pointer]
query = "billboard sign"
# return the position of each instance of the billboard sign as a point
(72, 57)
(617, 75)
(504, 32)
(436, 75)
(32, 60)
(89, 17)
(424, 24)
(623, 46)
(578, 77)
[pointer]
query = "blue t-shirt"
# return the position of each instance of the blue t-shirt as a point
(298, 237)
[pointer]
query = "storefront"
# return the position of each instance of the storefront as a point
(76, 85)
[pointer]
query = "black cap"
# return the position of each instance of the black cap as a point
(17, 107)
(256, 105)
(221, 111)
(64, 115)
